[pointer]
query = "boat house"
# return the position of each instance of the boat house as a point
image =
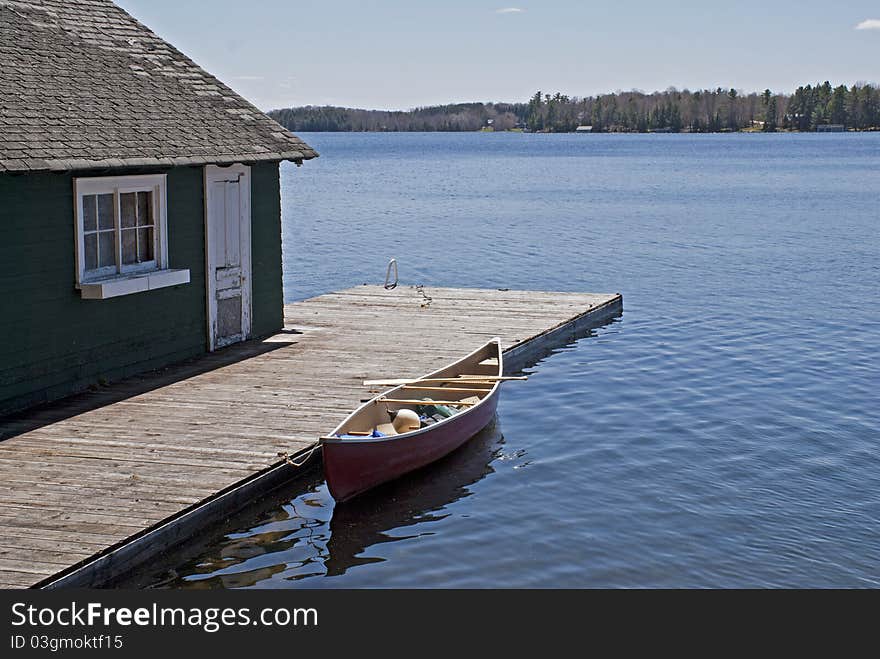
(140, 215)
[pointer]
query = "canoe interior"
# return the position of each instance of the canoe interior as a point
(377, 414)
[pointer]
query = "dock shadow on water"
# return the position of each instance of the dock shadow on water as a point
(311, 536)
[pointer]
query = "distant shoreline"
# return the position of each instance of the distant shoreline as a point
(572, 132)
(808, 109)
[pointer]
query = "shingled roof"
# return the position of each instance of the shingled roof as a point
(84, 85)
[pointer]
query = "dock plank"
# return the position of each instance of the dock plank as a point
(90, 472)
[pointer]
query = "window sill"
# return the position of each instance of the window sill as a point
(119, 285)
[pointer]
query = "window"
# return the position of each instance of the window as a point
(121, 236)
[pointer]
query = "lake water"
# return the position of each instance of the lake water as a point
(723, 432)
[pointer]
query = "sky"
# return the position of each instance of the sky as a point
(400, 54)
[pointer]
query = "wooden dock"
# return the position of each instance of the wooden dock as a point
(99, 482)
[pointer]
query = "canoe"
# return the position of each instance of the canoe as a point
(383, 438)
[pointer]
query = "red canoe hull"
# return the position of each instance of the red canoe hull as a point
(354, 466)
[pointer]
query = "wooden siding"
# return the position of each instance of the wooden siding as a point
(53, 343)
(267, 295)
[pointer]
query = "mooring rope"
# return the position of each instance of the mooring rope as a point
(284, 455)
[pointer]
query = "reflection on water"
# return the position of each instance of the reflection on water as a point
(311, 536)
(366, 521)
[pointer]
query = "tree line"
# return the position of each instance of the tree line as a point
(716, 110)
(454, 117)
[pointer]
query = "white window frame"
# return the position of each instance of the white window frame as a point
(119, 279)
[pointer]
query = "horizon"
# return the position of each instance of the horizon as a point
(398, 56)
(673, 89)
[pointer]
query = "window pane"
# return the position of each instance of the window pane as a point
(106, 248)
(145, 208)
(145, 245)
(129, 246)
(127, 217)
(105, 211)
(90, 212)
(91, 250)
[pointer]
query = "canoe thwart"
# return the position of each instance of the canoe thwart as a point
(409, 401)
(459, 379)
(413, 387)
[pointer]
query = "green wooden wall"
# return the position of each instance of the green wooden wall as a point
(53, 343)
(267, 294)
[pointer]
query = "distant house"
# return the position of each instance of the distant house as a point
(139, 202)
(830, 128)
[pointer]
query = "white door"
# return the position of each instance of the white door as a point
(228, 253)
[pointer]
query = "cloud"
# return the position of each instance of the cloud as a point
(870, 24)
(247, 78)
(510, 10)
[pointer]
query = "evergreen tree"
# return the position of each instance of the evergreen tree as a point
(597, 119)
(870, 106)
(837, 106)
(770, 116)
(818, 117)
(731, 110)
(534, 119)
(675, 119)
